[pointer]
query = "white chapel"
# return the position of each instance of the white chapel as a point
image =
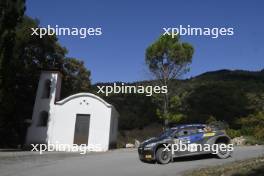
(82, 118)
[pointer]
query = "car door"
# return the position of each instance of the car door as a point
(189, 137)
(181, 139)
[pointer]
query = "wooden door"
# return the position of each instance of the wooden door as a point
(82, 125)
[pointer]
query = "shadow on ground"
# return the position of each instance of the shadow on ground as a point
(186, 158)
(194, 158)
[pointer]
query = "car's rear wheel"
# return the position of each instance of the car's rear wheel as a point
(223, 153)
(163, 156)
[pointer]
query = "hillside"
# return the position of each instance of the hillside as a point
(224, 95)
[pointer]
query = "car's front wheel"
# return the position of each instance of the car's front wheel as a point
(163, 156)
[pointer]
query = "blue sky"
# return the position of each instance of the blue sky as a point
(129, 27)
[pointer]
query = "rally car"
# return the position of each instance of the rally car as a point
(196, 136)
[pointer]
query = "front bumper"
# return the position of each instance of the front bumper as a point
(147, 154)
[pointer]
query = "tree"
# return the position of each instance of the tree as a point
(167, 59)
(76, 78)
(253, 125)
(221, 99)
(11, 14)
(176, 110)
(20, 73)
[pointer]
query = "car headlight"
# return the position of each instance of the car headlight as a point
(150, 145)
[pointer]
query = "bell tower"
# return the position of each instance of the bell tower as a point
(48, 93)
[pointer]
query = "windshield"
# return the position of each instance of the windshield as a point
(166, 133)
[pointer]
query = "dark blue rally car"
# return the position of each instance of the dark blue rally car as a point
(186, 140)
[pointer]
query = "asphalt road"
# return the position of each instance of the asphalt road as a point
(112, 163)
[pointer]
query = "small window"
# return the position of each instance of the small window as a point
(43, 119)
(183, 133)
(47, 89)
(186, 132)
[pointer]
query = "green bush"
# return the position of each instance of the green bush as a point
(253, 125)
(259, 133)
(233, 133)
(251, 140)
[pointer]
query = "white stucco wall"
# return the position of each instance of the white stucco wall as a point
(114, 127)
(37, 134)
(62, 120)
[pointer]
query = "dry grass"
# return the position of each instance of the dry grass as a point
(250, 167)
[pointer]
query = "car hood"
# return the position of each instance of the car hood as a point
(152, 140)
